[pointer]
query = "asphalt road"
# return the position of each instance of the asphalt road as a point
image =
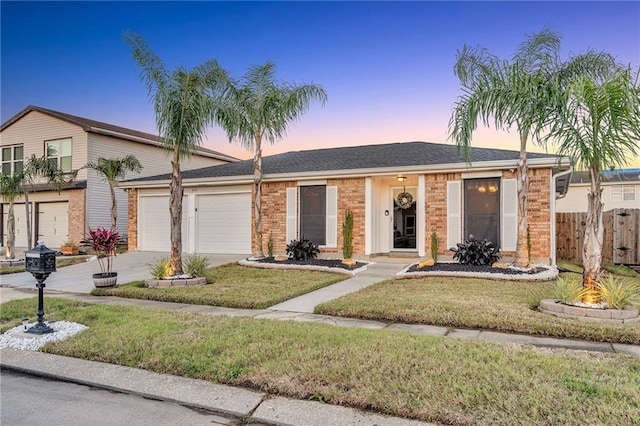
(27, 400)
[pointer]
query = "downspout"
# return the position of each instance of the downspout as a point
(555, 197)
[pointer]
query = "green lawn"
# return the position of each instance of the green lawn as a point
(234, 286)
(509, 306)
(435, 379)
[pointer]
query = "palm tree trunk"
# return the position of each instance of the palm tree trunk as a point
(175, 210)
(27, 216)
(522, 251)
(11, 233)
(593, 237)
(114, 207)
(257, 196)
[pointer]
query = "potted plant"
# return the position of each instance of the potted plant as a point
(103, 242)
(69, 248)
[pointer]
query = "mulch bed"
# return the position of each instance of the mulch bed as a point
(458, 267)
(327, 263)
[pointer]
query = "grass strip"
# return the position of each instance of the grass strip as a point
(508, 306)
(234, 286)
(442, 380)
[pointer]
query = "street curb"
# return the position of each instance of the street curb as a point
(239, 403)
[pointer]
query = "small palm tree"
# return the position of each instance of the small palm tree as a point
(511, 93)
(10, 190)
(41, 167)
(598, 126)
(257, 108)
(184, 101)
(111, 170)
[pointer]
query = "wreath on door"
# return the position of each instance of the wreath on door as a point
(404, 200)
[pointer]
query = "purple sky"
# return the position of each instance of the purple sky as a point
(386, 66)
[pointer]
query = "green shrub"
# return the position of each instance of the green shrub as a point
(347, 235)
(434, 246)
(618, 293)
(569, 291)
(474, 252)
(160, 268)
(302, 249)
(195, 265)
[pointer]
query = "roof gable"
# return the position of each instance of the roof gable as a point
(93, 126)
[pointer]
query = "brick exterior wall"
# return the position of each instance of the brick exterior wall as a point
(274, 216)
(132, 223)
(539, 210)
(76, 214)
(351, 194)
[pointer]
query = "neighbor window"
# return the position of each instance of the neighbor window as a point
(623, 193)
(482, 209)
(59, 153)
(12, 159)
(313, 213)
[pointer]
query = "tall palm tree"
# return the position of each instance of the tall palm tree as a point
(260, 107)
(512, 93)
(184, 102)
(598, 126)
(111, 170)
(10, 190)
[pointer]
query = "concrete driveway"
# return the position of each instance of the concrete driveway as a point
(130, 266)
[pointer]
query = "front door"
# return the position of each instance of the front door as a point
(404, 235)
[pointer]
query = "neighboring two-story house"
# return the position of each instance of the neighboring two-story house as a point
(72, 142)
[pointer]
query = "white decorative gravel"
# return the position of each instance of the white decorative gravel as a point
(61, 330)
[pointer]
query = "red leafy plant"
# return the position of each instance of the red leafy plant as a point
(103, 241)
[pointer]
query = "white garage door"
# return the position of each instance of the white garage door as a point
(223, 223)
(53, 223)
(154, 224)
(20, 224)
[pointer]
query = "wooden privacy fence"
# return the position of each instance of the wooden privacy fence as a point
(621, 236)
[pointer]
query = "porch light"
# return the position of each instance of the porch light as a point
(401, 178)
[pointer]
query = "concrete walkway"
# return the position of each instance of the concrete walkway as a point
(374, 273)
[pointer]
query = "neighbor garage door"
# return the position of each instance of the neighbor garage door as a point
(154, 224)
(53, 223)
(20, 224)
(223, 223)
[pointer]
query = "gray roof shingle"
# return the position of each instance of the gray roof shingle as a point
(609, 176)
(402, 154)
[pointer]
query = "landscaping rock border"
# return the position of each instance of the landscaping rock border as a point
(179, 282)
(351, 272)
(628, 315)
(547, 273)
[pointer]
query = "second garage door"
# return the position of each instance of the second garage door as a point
(155, 224)
(223, 223)
(53, 223)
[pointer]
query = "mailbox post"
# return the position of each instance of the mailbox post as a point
(40, 261)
